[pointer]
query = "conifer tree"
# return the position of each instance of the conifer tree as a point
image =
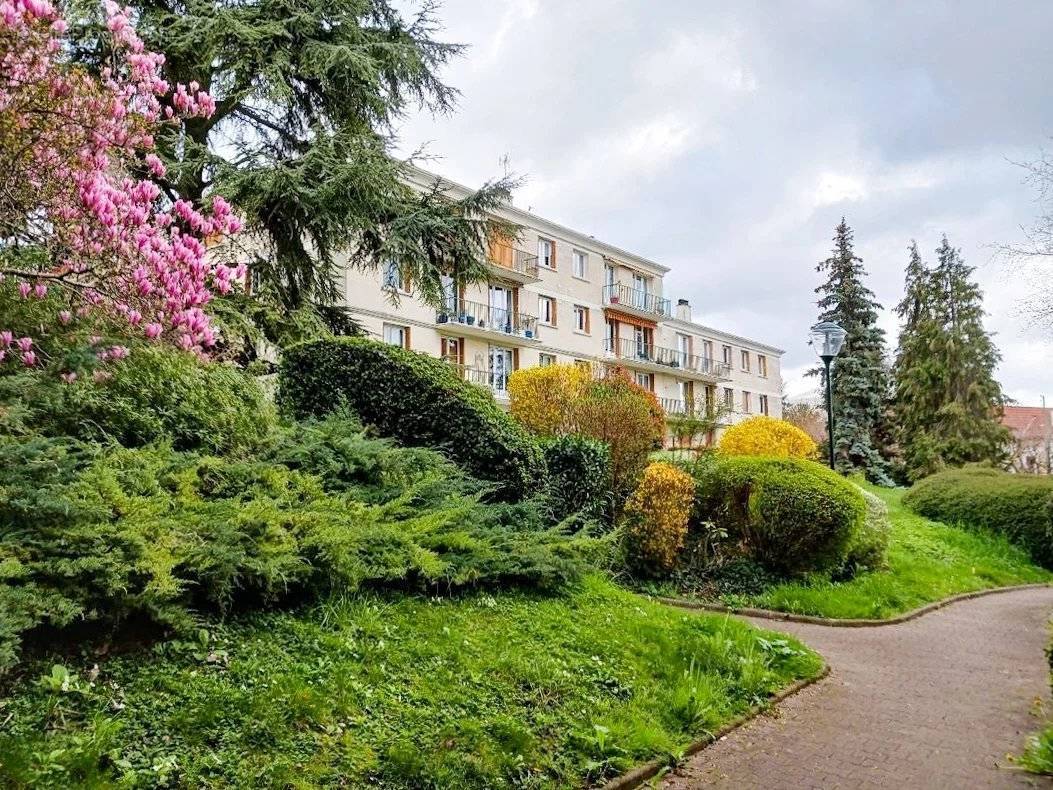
(860, 376)
(947, 403)
(308, 98)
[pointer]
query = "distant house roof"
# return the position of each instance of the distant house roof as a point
(1028, 422)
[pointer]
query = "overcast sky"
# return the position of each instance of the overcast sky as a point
(725, 140)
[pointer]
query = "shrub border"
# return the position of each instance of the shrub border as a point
(834, 622)
(637, 776)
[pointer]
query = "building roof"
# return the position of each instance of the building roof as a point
(1029, 422)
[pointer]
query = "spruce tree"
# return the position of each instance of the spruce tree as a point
(860, 376)
(947, 402)
(309, 95)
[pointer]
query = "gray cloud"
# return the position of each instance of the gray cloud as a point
(727, 141)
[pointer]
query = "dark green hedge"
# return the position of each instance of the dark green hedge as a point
(1019, 506)
(414, 398)
(793, 516)
(579, 476)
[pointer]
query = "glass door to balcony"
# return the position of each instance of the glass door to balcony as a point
(500, 368)
(449, 293)
(640, 337)
(641, 287)
(683, 349)
(501, 307)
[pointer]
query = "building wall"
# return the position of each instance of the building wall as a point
(376, 304)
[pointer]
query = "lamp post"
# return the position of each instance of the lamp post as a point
(827, 339)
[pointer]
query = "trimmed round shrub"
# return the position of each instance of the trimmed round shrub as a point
(1018, 506)
(417, 399)
(579, 476)
(156, 394)
(792, 515)
(657, 515)
(767, 437)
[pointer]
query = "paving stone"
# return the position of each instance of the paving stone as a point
(938, 702)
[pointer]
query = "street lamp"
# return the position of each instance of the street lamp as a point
(827, 339)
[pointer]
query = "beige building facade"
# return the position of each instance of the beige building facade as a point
(559, 296)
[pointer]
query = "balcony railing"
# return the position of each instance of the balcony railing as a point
(522, 262)
(620, 295)
(692, 408)
(496, 382)
(483, 316)
(630, 349)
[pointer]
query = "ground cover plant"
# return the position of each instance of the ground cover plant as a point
(1017, 505)
(1038, 756)
(925, 562)
(398, 691)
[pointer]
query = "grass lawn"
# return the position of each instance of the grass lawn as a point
(927, 561)
(397, 691)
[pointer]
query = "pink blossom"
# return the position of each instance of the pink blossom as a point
(6, 338)
(69, 378)
(118, 352)
(40, 290)
(153, 330)
(24, 289)
(25, 343)
(29, 359)
(65, 316)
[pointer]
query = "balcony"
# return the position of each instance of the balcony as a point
(697, 407)
(636, 302)
(497, 383)
(497, 324)
(513, 265)
(660, 359)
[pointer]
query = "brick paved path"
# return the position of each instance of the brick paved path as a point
(934, 703)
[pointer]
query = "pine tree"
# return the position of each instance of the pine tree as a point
(309, 95)
(860, 376)
(947, 402)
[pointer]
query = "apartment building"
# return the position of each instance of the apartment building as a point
(559, 296)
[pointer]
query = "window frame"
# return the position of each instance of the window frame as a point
(551, 300)
(582, 256)
(762, 366)
(582, 311)
(400, 285)
(551, 265)
(744, 360)
(402, 328)
(727, 354)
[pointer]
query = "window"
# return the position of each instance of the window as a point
(747, 402)
(686, 391)
(762, 401)
(584, 364)
(581, 319)
(581, 264)
(641, 289)
(393, 277)
(762, 367)
(745, 360)
(396, 335)
(546, 253)
(501, 366)
(546, 310)
(726, 354)
(645, 380)
(683, 349)
(707, 350)
(452, 350)
(608, 276)
(610, 341)
(544, 360)
(729, 398)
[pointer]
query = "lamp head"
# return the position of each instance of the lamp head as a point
(827, 338)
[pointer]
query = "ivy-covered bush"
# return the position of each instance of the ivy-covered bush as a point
(155, 394)
(579, 476)
(1019, 506)
(768, 437)
(792, 515)
(868, 544)
(416, 399)
(97, 534)
(657, 515)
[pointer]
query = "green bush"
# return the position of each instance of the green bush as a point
(416, 399)
(156, 394)
(579, 476)
(90, 534)
(1019, 506)
(868, 544)
(792, 515)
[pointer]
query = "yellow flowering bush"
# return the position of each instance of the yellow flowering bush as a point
(657, 514)
(545, 399)
(769, 437)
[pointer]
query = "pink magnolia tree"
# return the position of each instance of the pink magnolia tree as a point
(87, 239)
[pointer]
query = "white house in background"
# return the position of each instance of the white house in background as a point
(555, 296)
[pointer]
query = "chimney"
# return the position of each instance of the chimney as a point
(683, 310)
